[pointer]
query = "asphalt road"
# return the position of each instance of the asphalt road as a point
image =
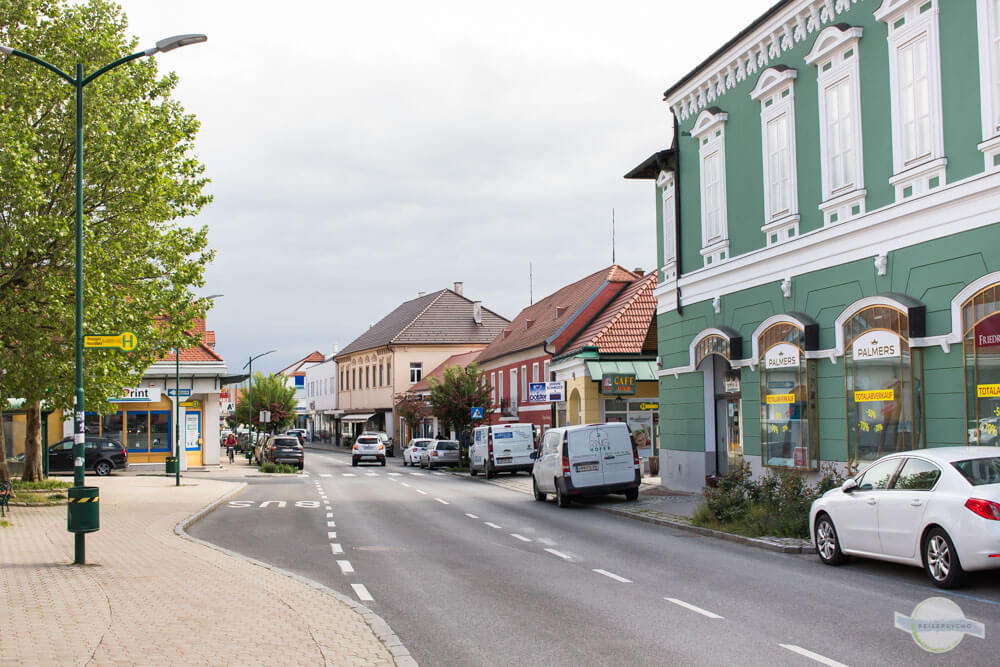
(469, 573)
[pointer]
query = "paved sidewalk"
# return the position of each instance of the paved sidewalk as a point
(149, 595)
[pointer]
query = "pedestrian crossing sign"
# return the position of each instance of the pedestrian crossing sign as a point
(477, 413)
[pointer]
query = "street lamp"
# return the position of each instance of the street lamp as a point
(78, 82)
(177, 403)
(249, 366)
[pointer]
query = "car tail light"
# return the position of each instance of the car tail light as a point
(984, 508)
(434, 453)
(381, 448)
(635, 456)
(565, 465)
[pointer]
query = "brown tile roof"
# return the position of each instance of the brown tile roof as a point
(200, 351)
(540, 322)
(462, 360)
(315, 357)
(439, 318)
(623, 326)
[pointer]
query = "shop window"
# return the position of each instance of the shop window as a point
(159, 432)
(111, 427)
(884, 385)
(789, 432)
(981, 345)
(137, 431)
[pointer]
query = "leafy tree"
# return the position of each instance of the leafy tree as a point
(412, 409)
(140, 264)
(454, 396)
(269, 393)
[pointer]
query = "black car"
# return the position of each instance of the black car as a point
(102, 455)
(284, 449)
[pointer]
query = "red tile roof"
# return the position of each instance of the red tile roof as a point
(539, 322)
(462, 360)
(315, 357)
(623, 326)
(201, 351)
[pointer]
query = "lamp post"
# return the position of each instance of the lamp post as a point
(78, 82)
(177, 407)
(249, 365)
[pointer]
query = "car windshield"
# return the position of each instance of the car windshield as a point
(421, 444)
(980, 471)
(286, 442)
(368, 440)
(450, 445)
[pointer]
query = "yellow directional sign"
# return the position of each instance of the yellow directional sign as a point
(190, 404)
(126, 341)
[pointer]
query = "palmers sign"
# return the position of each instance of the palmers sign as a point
(879, 344)
(782, 355)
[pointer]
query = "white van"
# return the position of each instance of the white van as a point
(587, 460)
(501, 448)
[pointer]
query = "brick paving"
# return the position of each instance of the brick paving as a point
(149, 595)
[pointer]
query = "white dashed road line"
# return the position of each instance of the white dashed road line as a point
(345, 567)
(371, 474)
(559, 554)
(331, 536)
(331, 524)
(493, 525)
(439, 474)
(697, 610)
(394, 474)
(362, 593)
(520, 537)
(812, 656)
(329, 515)
(422, 492)
(443, 502)
(406, 485)
(471, 516)
(417, 474)
(611, 575)
(325, 474)
(348, 474)
(336, 548)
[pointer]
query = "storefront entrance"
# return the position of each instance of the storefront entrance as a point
(724, 416)
(729, 431)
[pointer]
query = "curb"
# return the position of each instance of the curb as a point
(401, 656)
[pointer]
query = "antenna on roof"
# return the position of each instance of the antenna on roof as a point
(612, 235)
(531, 285)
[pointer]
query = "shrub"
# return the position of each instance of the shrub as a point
(277, 467)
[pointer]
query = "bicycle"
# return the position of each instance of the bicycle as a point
(231, 451)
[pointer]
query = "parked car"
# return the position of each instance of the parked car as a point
(586, 460)
(367, 448)
(936, 508)
(385, 439)
(284, 449)
(411, 455)
(501, 448)
(299, 433)
(439, 453)
(102, 455)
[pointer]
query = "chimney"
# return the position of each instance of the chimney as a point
(638, 271)
(527, 324)
(560, 310)
(336, 349)
(458, 288)
(477, 312)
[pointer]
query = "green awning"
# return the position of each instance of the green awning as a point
(644, 370)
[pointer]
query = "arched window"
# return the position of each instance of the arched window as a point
(981, 345)
(788, 423)
(884, 384)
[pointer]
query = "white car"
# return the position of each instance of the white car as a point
(416, 447)
(586, 460)
(935, 508)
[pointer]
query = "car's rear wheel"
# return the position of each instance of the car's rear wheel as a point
(103, 468)
(562, 500)
(472, 469)
(383, 463)
(490, 470)
(354, 462)
(632, 494)
(941, 560)
(827, 543)
(539, 495)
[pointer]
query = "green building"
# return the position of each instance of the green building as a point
(828, 234)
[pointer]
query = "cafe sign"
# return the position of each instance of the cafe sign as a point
(618, 383)
(782, 355)
(879, 344)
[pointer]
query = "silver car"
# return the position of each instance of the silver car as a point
(411, 455)
(441, 452)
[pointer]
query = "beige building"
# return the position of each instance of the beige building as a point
(396, 352)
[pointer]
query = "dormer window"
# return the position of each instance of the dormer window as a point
(710, 132)
(835, 54)
(775, 91)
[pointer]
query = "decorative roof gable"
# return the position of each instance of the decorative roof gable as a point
(623, 326)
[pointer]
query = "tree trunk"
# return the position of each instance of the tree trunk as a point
(33, 443)
(4, 471)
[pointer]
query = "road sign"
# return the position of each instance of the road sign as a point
(265, 416)
(477, 413)
(178, 392)
(126, 341)
(189, 404)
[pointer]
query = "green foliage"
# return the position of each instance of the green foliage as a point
(277, 467)
(454, 396)
(411, 409)
(269, 392)
(40, 485)
(141, 265)
(776, 505)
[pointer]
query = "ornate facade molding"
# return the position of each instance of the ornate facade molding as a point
(756, 52)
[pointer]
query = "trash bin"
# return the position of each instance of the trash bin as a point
(171, 465)
(654, 465)
(83, 511)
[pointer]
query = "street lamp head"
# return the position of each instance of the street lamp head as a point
(171, 43)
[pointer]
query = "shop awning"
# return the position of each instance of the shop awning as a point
(643, 370)
(357, 418)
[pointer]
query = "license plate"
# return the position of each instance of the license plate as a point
(505, 459)
(587, 467)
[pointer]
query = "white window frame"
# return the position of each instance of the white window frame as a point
(513, 391)
(909, 21)
(499, 388)
(710, 132)
(524, 383)
(988, 14)
(417, 366)
(836, 55)
(534, 372)
(493, 388)
(775, 90)
(545, 370)
(668, 191)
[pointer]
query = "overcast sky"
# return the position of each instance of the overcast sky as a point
(361, 152)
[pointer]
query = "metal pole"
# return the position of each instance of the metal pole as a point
(250, 404)
(79, 552)
(177, 408)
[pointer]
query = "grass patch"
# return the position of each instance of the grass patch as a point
(278, 468)
(44, 492)
(37, 486)
(4, 524)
